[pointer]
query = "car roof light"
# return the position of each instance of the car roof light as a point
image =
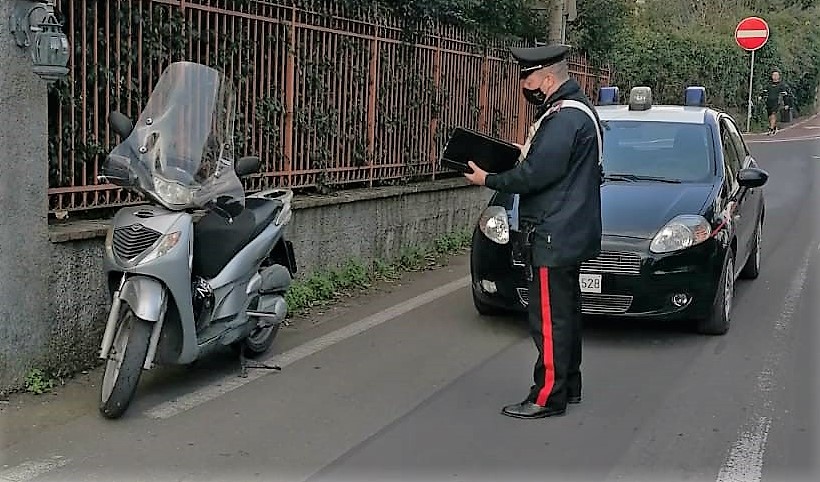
(608, 96)
(695, 97)
(640, 98)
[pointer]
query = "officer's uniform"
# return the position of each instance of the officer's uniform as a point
(559, 179)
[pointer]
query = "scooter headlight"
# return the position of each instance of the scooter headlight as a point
(494, 224)
(166, 244)
(173, 192)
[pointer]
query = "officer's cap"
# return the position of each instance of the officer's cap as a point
(534, 58)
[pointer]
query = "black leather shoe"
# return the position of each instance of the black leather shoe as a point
(574, 399)
(530, 410)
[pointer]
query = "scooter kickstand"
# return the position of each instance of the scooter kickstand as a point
(245, 364)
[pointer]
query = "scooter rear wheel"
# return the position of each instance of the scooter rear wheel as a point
(123, 367)
(259, 341)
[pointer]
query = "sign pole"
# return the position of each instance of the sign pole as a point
(751, 84)
(751, 34)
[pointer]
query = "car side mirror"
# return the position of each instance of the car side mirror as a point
(247, 166)
(752, 177)
(121, 124)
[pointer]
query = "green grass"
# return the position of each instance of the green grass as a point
(38, 382)
(354, 276)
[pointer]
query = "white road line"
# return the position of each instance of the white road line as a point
(745, 460)
(32, 469)
(793, 139)
(232, 382)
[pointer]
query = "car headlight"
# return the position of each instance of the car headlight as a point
(680, 233)
(172, 192)
(493, 223)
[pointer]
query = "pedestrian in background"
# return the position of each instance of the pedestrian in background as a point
(559, 178)
(776, 99)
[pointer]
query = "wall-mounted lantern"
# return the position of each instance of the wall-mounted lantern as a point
(35, 27)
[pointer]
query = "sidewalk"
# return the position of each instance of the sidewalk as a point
(803, 129)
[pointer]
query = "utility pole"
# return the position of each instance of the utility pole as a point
(557, 34)
(561, 13)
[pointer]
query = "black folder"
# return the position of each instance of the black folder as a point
(491, 154)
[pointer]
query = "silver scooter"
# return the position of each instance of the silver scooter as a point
(202, 266)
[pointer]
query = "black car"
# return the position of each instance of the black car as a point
(682, 214)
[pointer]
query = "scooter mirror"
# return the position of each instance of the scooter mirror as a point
(121, 124)
(247, 166)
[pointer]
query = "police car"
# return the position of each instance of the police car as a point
(682, 211)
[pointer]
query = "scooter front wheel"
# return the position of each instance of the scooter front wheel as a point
(123, 367)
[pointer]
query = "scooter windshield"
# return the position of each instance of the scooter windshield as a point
(180, 150)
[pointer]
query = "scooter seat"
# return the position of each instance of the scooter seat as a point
(264, 212)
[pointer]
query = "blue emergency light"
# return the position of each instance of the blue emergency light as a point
(608, 96)
(695, 97)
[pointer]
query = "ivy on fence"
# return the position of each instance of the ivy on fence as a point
(331, 94)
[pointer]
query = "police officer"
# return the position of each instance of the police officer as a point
(559, 178)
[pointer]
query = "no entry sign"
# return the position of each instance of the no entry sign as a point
(752, 33)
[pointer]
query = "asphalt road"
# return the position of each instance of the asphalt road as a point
(408, 385)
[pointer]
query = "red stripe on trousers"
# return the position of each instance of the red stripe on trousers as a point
(546, 331)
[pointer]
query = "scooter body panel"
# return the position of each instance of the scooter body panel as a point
(132, 231)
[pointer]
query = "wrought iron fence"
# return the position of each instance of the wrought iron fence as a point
(327, 99)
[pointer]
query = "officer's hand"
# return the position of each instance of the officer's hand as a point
(478, 176)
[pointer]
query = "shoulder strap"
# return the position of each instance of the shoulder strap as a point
(583, 107)
(577, 105)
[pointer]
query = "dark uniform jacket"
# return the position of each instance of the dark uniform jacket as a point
(560, 184)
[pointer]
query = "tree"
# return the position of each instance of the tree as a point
(598, 26)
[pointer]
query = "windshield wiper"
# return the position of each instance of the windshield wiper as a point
(635, 177)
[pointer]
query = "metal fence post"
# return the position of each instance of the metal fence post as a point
(372, 105)
(290, 94)
(435, 118)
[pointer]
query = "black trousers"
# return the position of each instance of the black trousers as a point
(555, 325)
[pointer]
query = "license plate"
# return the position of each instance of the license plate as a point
(590, 283)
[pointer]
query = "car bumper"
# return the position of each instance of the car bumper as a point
(633, 282)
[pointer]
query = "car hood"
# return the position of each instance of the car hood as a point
(640, 209)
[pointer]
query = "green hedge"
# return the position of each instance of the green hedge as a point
(671, 60)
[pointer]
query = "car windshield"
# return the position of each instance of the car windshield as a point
(671, 151)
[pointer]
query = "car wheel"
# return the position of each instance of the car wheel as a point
(485, 309)
(717, 323)
(752, 268)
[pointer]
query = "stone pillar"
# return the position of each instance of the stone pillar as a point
(24, 243)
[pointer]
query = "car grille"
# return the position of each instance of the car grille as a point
(591, 303)
(131, 241)
(613, 263)
(597, 304)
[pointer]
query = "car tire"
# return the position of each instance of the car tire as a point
(751, 269)
(718, 321)
(485, 309)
